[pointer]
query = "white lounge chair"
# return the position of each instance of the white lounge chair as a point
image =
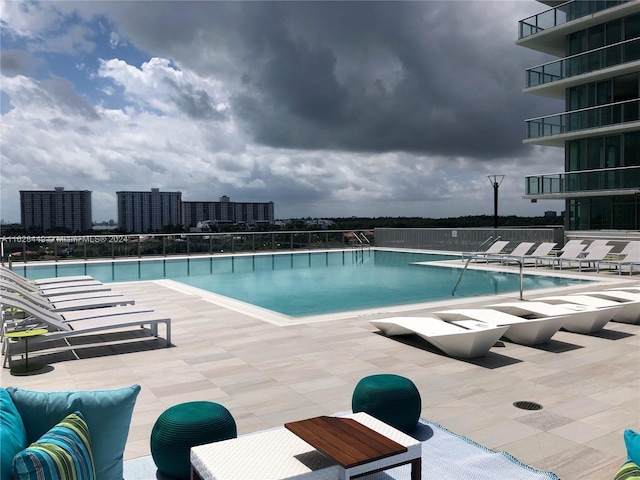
(571, 251)
(629, 312)
(630, 298)
(580, 318)
(52, 282)
(62, 327)
(4, 270)
(520, 250)
(527, 331)
(21, 307)
(596, 243)
(540, 252)
(70, 290)
(572, 244)
(592, 256)
(63, 302)
(494, 248)
(463, 339)
(54, 289)
(628, 257)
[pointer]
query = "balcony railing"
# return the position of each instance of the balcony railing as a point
(586, 118)
(562, 14)
(87, 247)
(609, 56)
(607, 179)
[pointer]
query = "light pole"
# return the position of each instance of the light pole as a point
(495, 180)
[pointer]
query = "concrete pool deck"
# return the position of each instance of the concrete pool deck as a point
(268, 373)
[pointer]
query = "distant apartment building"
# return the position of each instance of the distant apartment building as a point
(145, 212)
(226, 211)
(56, 210)
(597, 76)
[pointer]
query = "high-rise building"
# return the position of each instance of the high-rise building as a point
(56, 210)
(143, 212)
(597, 75)
(226, 211)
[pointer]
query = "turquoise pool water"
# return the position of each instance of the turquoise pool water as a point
(311, 283)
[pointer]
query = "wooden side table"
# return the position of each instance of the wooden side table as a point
(358, 449)
(26, 335)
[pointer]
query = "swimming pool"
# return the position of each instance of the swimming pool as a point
(312, 283)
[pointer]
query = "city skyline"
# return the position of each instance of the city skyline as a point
(328, 109)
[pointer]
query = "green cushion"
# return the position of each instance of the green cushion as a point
(632, 442)
(184, 426)
(107, 413)
(13, 436)
(628, 471)
(63, 453)
(393, 399)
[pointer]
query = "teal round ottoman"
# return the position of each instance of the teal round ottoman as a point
(184, 426)
(393, 399)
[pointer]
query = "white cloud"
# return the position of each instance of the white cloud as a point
(29, 19)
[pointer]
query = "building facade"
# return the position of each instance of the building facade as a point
(597, 75)
(57, 210)
(226, 211)
(145, 212)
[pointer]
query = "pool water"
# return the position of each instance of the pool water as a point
(313, 283)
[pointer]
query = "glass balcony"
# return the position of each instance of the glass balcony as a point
(586, 118)
(617, 54)
(568, 183)
(562, 14)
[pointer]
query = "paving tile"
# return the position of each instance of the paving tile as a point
(535, 448)
(544, 420)
(502, 433)
(579, 431)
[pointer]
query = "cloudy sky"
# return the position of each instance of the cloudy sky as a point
(326, 108)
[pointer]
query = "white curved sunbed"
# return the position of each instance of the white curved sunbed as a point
(631, 297)
(632, 288)
(463, 339)
(527, 331)
(580, 318)
(629, 311)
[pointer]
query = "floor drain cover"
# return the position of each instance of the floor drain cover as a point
(524, 405)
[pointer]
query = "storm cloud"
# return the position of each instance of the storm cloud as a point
(401, 107)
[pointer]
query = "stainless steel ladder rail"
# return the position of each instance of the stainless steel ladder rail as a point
(520, 264)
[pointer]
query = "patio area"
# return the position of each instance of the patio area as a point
(268, 374)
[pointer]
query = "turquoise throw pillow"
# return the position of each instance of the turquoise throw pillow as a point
(63, 453)
(107, 413)
(13, 436)
(632, 442)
